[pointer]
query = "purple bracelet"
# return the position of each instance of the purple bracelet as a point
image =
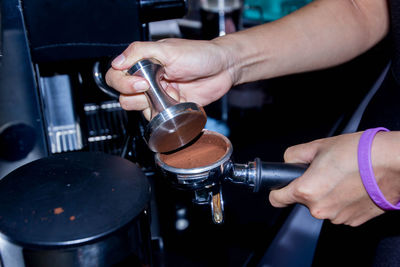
(367, 172)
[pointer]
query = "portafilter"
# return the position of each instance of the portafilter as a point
(206, 162)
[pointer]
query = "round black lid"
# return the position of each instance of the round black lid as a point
(70, 198)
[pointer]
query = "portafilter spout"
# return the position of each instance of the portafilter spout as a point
(184, 170)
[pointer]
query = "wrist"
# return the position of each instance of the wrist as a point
(256, 54)
(385, 156)
(230, 49)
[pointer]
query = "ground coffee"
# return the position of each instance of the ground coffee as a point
(204, 151)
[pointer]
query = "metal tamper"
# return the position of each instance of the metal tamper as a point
(172, 124)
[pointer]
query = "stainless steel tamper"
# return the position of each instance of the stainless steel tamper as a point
(172, 124)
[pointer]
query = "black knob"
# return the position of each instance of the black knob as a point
(155, 10)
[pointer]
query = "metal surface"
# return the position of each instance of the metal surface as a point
(200, 177)
(206, 181)
(175, 127)
(217, 207)
(106, 127)
(262, 176)
(79, 208)
(257, 175)
(62, 122)
(172, 124)
(99, 80)
(19, 101)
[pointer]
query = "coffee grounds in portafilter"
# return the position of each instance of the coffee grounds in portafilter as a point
(206, 150)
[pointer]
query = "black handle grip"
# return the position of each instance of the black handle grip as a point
(273, 175)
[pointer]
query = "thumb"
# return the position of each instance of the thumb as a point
(283, 197)
(302, 153)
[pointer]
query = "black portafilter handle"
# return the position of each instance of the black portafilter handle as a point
(263, 176)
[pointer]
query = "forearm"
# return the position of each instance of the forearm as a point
(324, 33)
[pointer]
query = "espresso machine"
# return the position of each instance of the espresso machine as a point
(50, 103)
(58, 129)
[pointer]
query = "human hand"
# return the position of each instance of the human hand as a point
(331, 187)
(195, 71)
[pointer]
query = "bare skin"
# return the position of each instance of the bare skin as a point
(332, 188)
(323, 34)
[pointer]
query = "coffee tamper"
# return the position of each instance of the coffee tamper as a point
(172, 124)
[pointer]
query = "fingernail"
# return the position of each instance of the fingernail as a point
(140, 86)
(118, 60)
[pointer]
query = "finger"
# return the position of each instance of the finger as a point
(125, 84)
(302, 153)
(171, 91)
(135, 52)
(147, 113)
(175, 88)
(281, 198)
(134, 102)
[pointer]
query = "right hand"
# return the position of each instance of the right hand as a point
(332, 187)
(195, 71)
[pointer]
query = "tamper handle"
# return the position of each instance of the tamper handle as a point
(152, 71)
(149, 69)
(273, 175)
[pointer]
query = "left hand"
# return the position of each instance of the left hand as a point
(332, 187)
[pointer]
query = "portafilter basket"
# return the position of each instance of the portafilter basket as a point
(206, 162)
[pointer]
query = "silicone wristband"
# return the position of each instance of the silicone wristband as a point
(367, 172)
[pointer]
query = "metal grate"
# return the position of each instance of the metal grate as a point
(106, 126)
